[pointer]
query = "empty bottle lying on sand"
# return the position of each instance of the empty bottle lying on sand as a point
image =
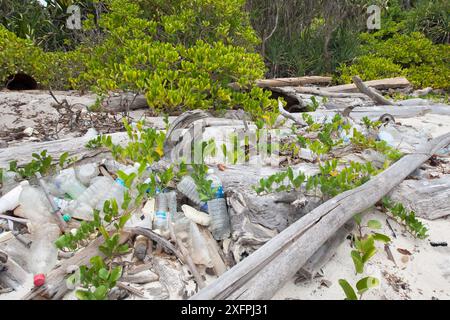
(118, 188)
(217, 209)
(44, 254)
(83, 207)
(68, 183)
(188, 187)
(35, 206)
(87, 172)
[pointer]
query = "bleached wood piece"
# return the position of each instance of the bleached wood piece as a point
(263, 273)
(390, 83)
(371, 93)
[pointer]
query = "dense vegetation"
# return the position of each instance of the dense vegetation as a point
(183, 54)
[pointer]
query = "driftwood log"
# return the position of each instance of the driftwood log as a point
(371, 92)
(124, 102)
(429, 199)
(288, 82)
(264, 272)
(382, 84)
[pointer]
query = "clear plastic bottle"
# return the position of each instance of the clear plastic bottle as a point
(171, 197)
(85, 204)
(217, 209)
(188, 187)
(160, 223)
(87, 172)
(44, 254)
(9, 181)
(220, 220)
(216, 183)
(35, 206)
(67, 182)
(117, 189)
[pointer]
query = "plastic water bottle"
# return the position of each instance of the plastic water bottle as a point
(87, 172)
(216, 183)
(44, 253)
(35, 205)
(160, 224)
(10, 200)
(69, 184)
(85, 204)
(9, 181)
(117, 189)
(217, 209)
(188, 187)
(171, 197)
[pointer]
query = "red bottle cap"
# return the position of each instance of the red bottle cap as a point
(39, 279)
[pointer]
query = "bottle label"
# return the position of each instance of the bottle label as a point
(161, 214)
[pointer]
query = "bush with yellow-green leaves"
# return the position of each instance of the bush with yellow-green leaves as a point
(181, 55)
(411, 55)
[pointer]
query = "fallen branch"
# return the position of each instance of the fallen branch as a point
(382, 84)
(371, 93)
(264, 272)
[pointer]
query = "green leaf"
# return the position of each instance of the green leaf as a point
(369, 254)
(366, 283)
(374, 224)
(115, 275)
(103, 274)
(83, 295)
(100, 292)
(123, 220)
(348, 290)
(357, 261)
(381, 237)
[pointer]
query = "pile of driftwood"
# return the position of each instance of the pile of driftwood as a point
(276, 235)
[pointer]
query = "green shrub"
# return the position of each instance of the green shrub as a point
(369, 67)
(160, 58)
(21, 55)
(413, 56)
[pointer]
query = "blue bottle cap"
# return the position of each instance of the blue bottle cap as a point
(66, 218)
(204, 207)
(219, 193)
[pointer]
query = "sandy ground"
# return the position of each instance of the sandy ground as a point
(424, 275)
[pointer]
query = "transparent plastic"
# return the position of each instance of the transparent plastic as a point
(67, 182)
(43, 252)
(35, 205)
(87, 172)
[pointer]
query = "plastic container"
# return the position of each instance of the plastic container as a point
(188, 187)
(35, 205)
(67, 182)
(9, 181)
(10, 200)
(160, 222)
(85, 204)
(44, 254)
(220, 220)
(171, 197)
(87, 172)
